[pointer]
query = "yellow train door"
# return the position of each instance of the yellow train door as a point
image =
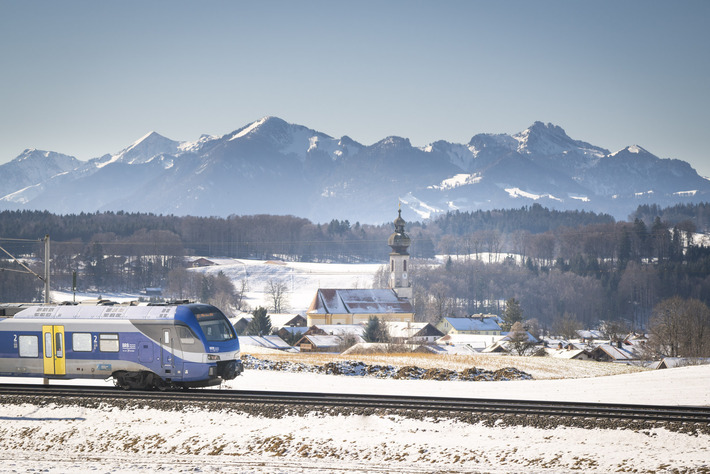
(54, 353)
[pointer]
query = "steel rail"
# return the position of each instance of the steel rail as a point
(663, 413)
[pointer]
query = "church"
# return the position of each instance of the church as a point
(356, 306)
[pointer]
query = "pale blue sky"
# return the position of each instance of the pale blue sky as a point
(90, 77)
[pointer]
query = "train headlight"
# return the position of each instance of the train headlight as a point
(212, 357)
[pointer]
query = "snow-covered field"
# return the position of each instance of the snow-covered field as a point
(301, 279)
(58, 439)
(107, 439)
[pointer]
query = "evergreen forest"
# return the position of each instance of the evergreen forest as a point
(564, 267)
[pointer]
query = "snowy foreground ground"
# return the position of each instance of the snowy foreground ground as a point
(137, 439)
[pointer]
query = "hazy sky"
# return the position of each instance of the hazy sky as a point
(90, 77)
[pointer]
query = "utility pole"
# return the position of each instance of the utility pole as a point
(47, 298)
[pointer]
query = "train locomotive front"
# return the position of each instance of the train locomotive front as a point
(141, 347)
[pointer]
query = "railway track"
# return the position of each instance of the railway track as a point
(643, 413)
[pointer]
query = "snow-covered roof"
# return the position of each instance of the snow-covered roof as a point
(494, 317)
(294, 329)
(476, 342)
(498, 346)
(245, 316)
(407, 329)
(328, 341)
(451, 350)
(507, 336)
(554, 342)
(359, 301)
(673, 362)
(616, 353)
(341, 329)
(565, 353)
(279, 320)
(270, 342)
(473, 324)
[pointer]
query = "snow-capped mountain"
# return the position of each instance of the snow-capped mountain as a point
(275, 167)
(33, 167)
(144, 150)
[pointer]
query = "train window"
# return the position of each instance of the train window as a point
(108, 342)
(81, 342)
(29, 346)
(59, 343)
(186, 335)
(48, 344)
(217, 330)
(214, 324)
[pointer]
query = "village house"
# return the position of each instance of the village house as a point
(202, 262)
(335, 330)
(484, 325)
(241, 322)
(281, 320)
(318, 343)
(567, 353)
(612, 353)
(474, 342)
(413, 333)
(289, 333)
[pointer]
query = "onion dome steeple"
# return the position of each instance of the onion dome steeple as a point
(399, 240)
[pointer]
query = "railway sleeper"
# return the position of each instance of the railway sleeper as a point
(141, 380)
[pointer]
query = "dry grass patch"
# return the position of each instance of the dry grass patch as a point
(539, 367)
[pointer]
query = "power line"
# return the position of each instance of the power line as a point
(10, 239)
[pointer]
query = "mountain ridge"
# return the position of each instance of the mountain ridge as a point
(275, 167)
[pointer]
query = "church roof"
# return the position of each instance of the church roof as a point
(359, 301)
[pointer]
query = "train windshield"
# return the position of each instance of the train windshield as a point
(215, 326)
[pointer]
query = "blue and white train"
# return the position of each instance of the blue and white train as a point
(141, 347)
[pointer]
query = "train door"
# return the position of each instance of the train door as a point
(54, 353)
(166, 359)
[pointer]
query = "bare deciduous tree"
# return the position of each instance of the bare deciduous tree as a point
(566, 326)
(680, 328)
(277, 293)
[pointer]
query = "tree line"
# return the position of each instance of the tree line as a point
(590, 273)
(560, 265)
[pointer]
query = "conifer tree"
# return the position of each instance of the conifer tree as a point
(260, 324)
(376, 330)
(513, 313)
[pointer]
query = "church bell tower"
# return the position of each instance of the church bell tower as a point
(399, 259)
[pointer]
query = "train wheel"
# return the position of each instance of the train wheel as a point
(160, 384)
(120, 380)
